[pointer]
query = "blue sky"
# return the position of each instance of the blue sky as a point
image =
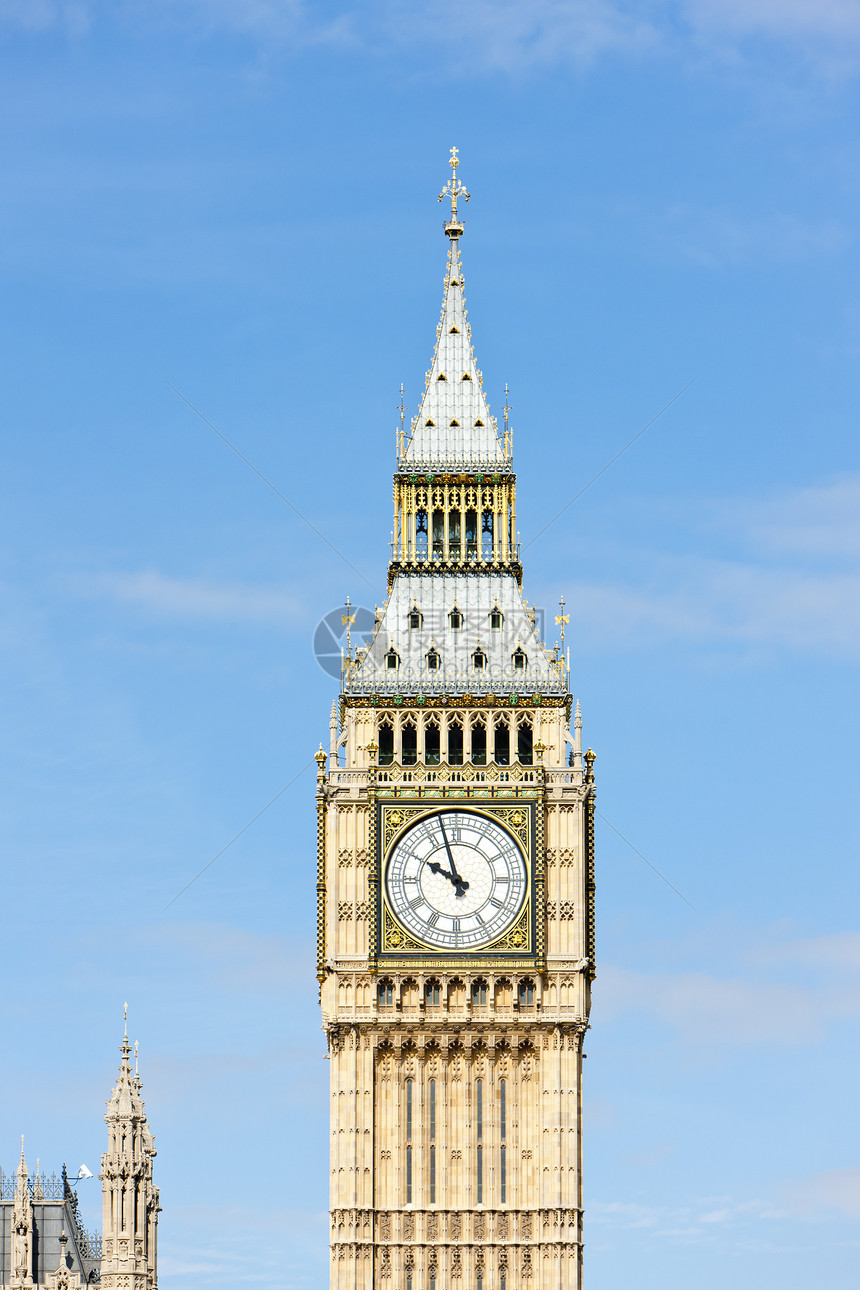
(239, 197)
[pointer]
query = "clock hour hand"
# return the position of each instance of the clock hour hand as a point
(460, 883)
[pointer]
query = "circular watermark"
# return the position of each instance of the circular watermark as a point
(355, 622)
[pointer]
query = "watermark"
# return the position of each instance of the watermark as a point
(351, 624)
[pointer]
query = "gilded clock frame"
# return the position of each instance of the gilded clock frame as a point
(395, 946)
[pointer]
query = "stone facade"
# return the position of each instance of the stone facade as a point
(43, 1245)
(455, 1072)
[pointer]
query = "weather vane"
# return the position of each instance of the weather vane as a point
(561, 619)
(454, 189)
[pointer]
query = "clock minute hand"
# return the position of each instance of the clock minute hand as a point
(461, 884)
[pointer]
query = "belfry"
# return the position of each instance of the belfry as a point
(455, 880)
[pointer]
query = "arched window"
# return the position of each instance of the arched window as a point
(487, 533)
(479, 744)
(520, 660)
(496, 619)
(432, 993)
(502, 743)
(421, 534)
(455, 741)
(431, 743)
(438, 534)
(479, 993)
(454, 532)
(408, 743)
(386, 993)
(433, 660)
(386, 743)
(392, 660)
(525, 751)
(527, 994)
(455, 620)
(479, 660)
(415, 618)
(471, 535)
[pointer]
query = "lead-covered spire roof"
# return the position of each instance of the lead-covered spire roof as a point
(454, 430)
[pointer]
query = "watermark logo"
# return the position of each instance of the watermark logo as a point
(348, 623)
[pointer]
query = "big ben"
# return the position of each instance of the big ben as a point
(455, 880)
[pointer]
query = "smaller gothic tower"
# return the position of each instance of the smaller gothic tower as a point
(129, 1237)
(21, 1270)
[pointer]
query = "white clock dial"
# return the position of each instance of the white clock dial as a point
(456, 880)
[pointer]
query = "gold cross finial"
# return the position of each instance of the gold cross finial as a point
(455, 190)
(562, 618)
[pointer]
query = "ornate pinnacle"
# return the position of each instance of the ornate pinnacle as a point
(455, 190)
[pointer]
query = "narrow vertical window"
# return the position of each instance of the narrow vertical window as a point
(409, 745)
(432, 1279)
(503, 1110)
(408, 1281)
(503, 1280)
(386, 745)
(479, 1283)
(409, 1084)
(479, 1127)
(433, 1174)
(503, 1178)
(502, 744)
(455, 744)
(433, 1109)
(431, 742)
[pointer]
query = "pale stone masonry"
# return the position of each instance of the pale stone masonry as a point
(43, 1245)
(455, 883)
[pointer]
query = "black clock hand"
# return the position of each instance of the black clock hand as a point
(461, 885)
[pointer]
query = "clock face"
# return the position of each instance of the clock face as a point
(456, 880)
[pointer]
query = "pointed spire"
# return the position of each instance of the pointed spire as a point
(129, 1225)
(21, 1263)
(454, 429)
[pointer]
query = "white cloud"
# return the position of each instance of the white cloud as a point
(717, 237)
(831, 1192)
(72, 16)
(773, 989)
(489, 36)
(796, 587)
(157, 593)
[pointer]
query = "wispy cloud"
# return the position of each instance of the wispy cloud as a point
(495, 36)
(719, 237)
(795, 585)
(157, 593)
(832, 1191)
(772, 987)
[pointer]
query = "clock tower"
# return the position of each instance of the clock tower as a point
(455, 881)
